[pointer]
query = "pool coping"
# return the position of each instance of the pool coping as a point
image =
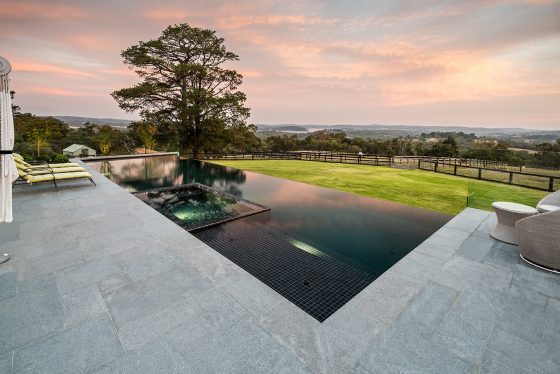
(124, 157)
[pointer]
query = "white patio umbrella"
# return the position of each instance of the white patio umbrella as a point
(8, 170)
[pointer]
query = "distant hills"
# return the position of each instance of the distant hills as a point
(371, 130)
(403, 130)
(76, 121)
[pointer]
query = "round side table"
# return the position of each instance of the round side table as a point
(508, 214)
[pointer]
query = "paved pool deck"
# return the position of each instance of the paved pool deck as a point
(101, 283)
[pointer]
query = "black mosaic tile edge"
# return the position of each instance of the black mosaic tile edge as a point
(317, 285)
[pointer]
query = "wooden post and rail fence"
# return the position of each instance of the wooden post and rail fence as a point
(468, 168)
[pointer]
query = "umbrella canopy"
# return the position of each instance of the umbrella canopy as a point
(8, 170)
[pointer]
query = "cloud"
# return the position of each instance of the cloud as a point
(22, 10)
(38, 67)
(307, 61)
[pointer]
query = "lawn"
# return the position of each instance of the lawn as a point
(424, 189)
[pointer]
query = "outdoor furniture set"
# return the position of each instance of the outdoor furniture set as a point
(535, 230)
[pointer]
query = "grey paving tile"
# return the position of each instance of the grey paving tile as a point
(250, 293)
(440, 247)
(25, 248)
(82, 304)
(242, 348)
(87, 273)
(144, 262)
(546, 366)
(209, 262)
(92, 248)
(508, 353)
(503, 254)
(398, 352)
(459, 272)
(346, 339)
(551, 338)
(136, 334)
(427, 310)
(29, 316)
(155, 359)
(49, 263)
(468, 220)
(417, 266)
(10, 231)
(8, 284)
(83, 347)
(464, 335)
(331, 347)
(40, 281)
(538, 280)
(218, 308)
(113, 282)
(6, 363)
(141, 299)
(387, 296)
(302, 335)
(487, 224)
(476, 247)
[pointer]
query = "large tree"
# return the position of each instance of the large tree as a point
(185, 86)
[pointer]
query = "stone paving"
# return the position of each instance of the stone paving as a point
(101, 283)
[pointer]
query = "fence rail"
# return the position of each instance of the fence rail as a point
(529, 180)
(344, 158)
(469, 168)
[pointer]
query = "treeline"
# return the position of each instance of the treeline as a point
(432, 144)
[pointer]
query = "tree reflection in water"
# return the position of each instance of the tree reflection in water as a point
(145, 173)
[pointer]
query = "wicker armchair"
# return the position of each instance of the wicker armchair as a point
(550, 199)
(539, 240)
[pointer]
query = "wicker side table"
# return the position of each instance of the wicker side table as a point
(508, 214)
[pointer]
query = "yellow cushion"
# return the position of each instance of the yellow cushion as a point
(64, 165)
(58, 176)
(71, 169)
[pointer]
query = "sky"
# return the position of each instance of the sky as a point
(483, 63)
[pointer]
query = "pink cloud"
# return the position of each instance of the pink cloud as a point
(26, 10)
(38, 67)
(55, 91)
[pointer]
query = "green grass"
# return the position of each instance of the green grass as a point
(447, 194)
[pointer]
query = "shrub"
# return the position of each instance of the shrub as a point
(59, 158)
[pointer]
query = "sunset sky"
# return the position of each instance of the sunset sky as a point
(491, 63)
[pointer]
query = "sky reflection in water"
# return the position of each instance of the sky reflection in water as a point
(368, 233)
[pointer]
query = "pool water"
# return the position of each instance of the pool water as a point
(317, 247)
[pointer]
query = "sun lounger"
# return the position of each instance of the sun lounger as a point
(19, 159)
(44, 169)
(52, 176)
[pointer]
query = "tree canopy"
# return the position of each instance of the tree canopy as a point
(185, 88)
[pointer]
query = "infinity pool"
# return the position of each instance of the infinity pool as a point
(316, 246)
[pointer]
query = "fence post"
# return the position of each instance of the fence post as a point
(455, 168)
(551, 184)
(510, 177)
(419, 161)
(479, 173)
(435, 166)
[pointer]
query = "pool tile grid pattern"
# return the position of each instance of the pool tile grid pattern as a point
(101, 283)
(318, 285)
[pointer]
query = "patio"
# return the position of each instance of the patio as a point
(100, 283)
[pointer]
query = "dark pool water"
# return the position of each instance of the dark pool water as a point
(360, 234)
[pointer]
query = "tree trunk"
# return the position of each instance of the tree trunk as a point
(196, 153)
